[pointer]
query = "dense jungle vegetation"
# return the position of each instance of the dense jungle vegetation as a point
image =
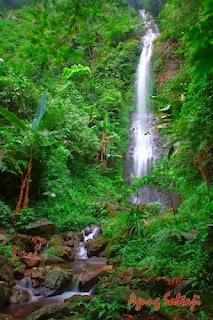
(67, 71)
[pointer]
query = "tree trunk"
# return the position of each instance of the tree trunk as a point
(25, 183)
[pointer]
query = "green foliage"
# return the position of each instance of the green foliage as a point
(6, 214)
(153, 6)
(54, 251)
(166, 249)
(75, 209)
(6, 251)
(77, 73)
(26, 215)
(107, 304)
(12, 118)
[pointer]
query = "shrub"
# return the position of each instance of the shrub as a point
(77, 73)
(5, 215)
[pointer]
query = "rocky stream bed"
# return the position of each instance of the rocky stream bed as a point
(54, 270)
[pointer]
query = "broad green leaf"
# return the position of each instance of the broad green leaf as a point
(39, 112)
(166, 108)
(12, 117)
(160, 100)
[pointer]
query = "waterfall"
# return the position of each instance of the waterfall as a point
(142, 149)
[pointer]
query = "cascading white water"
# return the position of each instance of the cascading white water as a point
(143, 155)
(81, 250)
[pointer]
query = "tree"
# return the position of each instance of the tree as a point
(30, 135)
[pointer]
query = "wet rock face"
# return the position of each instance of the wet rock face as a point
(48, 259)
(56, 310)
(4, 316)
(127, 275)
(56, 240)
(56, 281)
(6, 271)
(73, 238)
(24, 242)
(96, 246)
(43, 228)
(4, 294)
(66, 253)
(31, 260)
(3, 239)
(87, 231)
(20, 296)
(89, 279)
(36, 279)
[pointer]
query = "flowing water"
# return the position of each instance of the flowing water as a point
(143, 148)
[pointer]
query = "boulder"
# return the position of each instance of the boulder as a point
(127, 275)
(36, 279)
(19, 273)
(42, 227)
(20, 296)
(56, 240)
(87, 230)
(31, 260)
(56, 310)
(4, 316)
(71, 243)
(89, 279)
(96, 246)
(48, 259)
(6, 271)
(79, 236)
(182, 287)
(23, 242)
(73, 238)
(155, 285)
(70, 235)
(3, 239)
(56, 281)
(66, 253)
(4, 294)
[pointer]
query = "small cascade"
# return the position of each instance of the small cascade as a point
(69, 294)
(90, 236)
(74, 291)
(75, 283)
(81, 250)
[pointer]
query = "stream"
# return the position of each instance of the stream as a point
(20, 312)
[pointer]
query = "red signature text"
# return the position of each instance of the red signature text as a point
(178, 300)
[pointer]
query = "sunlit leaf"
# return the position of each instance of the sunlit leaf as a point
(39, 112)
